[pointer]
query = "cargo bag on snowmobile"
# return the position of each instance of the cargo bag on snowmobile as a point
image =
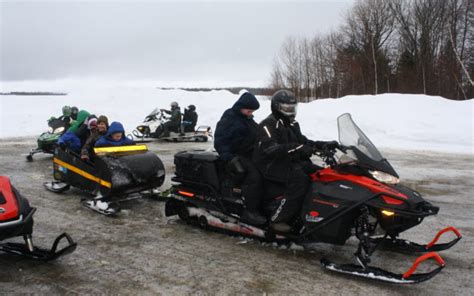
(198, 166)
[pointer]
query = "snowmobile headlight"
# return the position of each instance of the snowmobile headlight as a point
(59, 130)
(384, 177)
(50, 130)
(388, 213)
(140, 128)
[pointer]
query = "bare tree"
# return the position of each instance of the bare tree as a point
(370, 25)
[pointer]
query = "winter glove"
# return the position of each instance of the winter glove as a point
(331, 145)
(306, 151)
(236, 165)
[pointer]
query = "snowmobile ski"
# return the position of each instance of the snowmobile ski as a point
(30, 251)
(375, 273)
(101, 207)
(56, 187)
(406, 246)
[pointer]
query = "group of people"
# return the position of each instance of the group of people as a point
(87, 131)
(273, 157)
(178, 122)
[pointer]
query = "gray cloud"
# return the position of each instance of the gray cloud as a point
(232, 41)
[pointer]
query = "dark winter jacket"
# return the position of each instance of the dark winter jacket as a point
(175, 115)
(190, 118)
(235, 132)
(115, 127)
(278, 147)
(90, 142)
(71, 141)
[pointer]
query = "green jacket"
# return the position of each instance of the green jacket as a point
(81, 117)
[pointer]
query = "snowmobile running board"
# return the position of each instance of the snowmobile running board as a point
(41, 254)
(406, 246)
(375, 273)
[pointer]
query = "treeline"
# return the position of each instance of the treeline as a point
(403, 46)
(258, 91)
(34, 93)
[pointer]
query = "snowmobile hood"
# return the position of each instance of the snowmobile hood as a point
(8, 202)
(246, 101)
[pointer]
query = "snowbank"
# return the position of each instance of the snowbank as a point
(414, 122)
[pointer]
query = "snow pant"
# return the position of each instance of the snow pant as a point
(164, 129)
(187, 126)
(285, 199)
(245, 173)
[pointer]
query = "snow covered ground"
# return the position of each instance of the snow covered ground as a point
(414, 122)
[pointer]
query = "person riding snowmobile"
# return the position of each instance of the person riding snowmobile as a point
(174, 122)
(190, 119)
(115, 137)
(101, 130)
(76, 134)
(234, 141)
(65, 117)
(282, 155)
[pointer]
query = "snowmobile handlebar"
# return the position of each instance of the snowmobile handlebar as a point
(328, 154)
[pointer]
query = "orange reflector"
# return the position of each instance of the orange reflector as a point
(185, 193)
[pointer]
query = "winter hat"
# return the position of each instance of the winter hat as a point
(92, 122)
(247, 101)
(103, 119)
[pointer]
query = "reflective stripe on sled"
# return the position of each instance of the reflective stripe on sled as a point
(83, 173)
(101, 150)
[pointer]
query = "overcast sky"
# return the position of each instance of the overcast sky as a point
(223, 41)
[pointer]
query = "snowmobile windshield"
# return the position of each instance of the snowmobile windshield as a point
(351, 135)
(56, 123)
(155, 112)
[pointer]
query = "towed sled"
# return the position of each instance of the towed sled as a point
(114, 175)
(47, 141)
(357, 194)
(147, 131)
(16, 219)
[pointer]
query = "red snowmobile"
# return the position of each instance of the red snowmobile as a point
(16, 219)
(356, 194)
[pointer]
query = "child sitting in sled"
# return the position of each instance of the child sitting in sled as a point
(115, 137)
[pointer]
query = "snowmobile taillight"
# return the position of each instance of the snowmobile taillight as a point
(388, 213)
(186, 193)
(441, 232)
(422, 258)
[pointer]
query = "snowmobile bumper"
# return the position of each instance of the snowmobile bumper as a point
(375, 273)
(39, 253)
(406, 246)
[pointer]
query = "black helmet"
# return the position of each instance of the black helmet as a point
(74, 112)
(284, 104)
(191, 107)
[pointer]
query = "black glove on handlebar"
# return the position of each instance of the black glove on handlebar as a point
(331, 145)
(324, 145)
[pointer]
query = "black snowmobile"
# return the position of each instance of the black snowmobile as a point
(356, 194)
(147, 131)
(114, 175)
(47, 141)
(16, 219)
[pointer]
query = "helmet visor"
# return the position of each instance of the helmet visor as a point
(288, 109)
